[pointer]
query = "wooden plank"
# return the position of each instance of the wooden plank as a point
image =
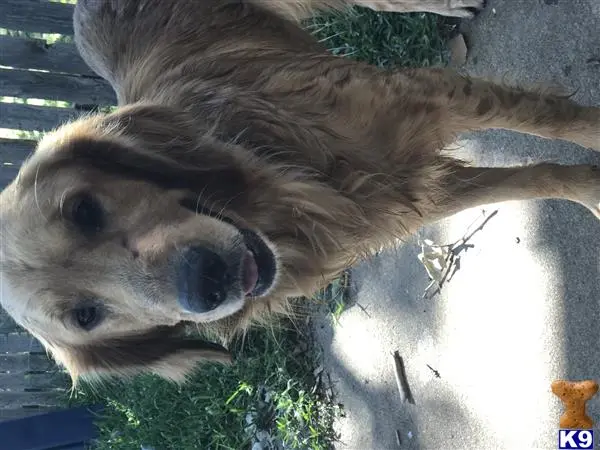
(26, 362)
(7, 324)
(15, 151)
(7, 175)
(36, 16)
(58, 429)
(42, 381)
(12, 154)
(36, 54)
(30, 117)
(51, 86)
(19, 343)
(20, 399)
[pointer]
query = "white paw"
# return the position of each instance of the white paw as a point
(451, 8)
(590, 198)
(460, 8)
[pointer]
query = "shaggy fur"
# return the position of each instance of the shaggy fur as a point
(231, 116)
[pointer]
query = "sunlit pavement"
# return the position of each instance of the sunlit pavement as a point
(524, 307)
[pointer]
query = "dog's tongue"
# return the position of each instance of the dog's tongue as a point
(249, 273)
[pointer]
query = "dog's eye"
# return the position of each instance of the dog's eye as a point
(87, 317)
(86, 213)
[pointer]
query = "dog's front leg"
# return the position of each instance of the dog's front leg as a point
(477, 104)
(438, 103)
(469, 187)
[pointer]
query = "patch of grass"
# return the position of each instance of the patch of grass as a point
(335, 295)
(270, 395)
(385, 39)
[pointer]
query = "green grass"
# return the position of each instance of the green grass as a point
(271, 392)
(384, 39)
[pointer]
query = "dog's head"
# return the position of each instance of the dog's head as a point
(121, 227)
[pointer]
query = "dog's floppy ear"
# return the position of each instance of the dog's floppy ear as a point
(163, 351)
(156, 144)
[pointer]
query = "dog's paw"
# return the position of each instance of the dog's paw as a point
(586, 131)
(464, 9)
(590, 195)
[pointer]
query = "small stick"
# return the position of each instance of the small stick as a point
(398, 438)
(435, 372)
(363, 309)
(454, 250)
(401, 381)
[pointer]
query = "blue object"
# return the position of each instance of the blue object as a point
(69, 429)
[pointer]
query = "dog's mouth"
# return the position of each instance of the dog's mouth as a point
(258, 265)
(207, 280)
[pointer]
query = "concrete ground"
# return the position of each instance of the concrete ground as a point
(524, 308)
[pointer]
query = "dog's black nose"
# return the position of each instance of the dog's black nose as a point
(202, 280)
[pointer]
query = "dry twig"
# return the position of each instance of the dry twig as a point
(401, 381)
(451, 262)
(435, 372)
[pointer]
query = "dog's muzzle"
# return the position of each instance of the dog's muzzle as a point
(205, 279)
(202, 280)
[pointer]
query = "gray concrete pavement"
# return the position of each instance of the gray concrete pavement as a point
(524, 308)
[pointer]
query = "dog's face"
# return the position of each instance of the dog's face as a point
(108, 243)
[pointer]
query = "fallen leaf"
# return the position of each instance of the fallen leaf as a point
(434, 258)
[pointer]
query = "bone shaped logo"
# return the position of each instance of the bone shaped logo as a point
(574, 395)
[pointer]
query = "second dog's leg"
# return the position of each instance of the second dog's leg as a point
(473, 186)
(301, 9)
(452, 8)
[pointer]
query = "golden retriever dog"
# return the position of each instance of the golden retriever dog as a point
(244, 166)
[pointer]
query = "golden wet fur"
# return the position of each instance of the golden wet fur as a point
(229, 106)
